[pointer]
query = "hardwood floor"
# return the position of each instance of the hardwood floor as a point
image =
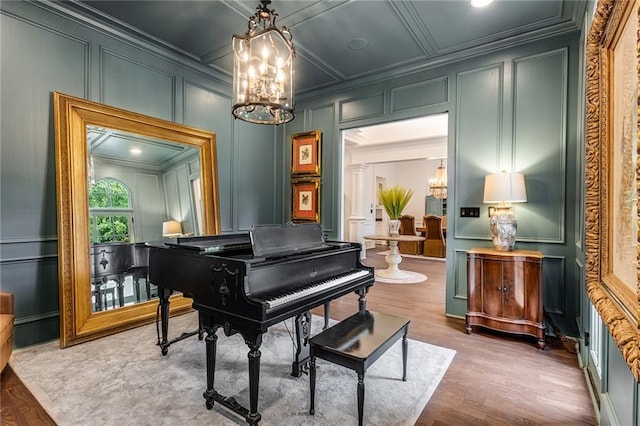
(494, 379)
(18, 407)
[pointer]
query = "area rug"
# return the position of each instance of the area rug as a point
(124, 380)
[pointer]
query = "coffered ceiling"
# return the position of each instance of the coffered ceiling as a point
(341, 40)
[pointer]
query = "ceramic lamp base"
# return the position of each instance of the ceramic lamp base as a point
(503, 224)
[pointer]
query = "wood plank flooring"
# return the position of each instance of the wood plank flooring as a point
(494, 379)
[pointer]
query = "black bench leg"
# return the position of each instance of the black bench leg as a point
(312, 383)
(326, 315)
(360, 397)
(404, 356)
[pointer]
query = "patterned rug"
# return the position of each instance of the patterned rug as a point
(124, 380)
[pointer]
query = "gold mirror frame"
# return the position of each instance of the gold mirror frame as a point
(78, 322)
(617, 302)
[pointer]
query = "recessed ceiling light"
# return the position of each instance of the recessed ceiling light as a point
(135, 151)
(358, 43)
(481, 3)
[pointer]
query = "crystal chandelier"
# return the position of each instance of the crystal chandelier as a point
(438, 184)
(263, 70)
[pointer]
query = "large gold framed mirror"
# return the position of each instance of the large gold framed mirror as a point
(174, 183)
(612, 175)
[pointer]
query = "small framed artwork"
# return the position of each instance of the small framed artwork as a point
(306, 153)
(305, 200)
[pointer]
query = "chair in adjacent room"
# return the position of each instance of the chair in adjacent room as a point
(434, 242)
(408, 227)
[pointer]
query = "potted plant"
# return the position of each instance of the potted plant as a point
(394, 200)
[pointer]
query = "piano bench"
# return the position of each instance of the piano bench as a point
(356, 343)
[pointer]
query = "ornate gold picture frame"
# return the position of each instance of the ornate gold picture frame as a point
(305, 200)
(613, 173)
(306, 152)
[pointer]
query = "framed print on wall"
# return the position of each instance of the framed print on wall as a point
(306, 153)
(305, 200)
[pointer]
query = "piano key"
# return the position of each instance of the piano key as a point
(314, 289)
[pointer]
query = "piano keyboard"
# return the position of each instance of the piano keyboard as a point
(315, 288)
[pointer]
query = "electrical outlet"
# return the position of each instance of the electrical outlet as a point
(469, 211)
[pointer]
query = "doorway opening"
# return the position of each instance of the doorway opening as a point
(405, 153)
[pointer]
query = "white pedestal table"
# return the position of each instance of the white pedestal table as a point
(393, 274)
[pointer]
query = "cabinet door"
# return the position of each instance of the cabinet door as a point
(492, 287)
(513, 290)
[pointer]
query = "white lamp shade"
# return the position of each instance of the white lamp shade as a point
(171, 228)
(504, 188)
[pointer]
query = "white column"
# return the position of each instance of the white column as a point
(356, 218)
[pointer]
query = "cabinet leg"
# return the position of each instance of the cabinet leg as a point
(468, 329)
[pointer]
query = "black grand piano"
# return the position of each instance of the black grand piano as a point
(245, 283)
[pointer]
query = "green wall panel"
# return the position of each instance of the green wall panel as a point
(422, 94)
(479, 107)
(368, 106)
(255, 175)
(209, 110)
(135, 86)
(620, 385)
(53, 62)
(29, 333)
(323, 119)
(539, 135)
(148, 193)
(554, 285)
(34, 283)
(460, 289)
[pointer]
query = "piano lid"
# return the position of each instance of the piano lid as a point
(270, 240)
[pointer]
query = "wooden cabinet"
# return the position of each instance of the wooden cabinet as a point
(504, 291)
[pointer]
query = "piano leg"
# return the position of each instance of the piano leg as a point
(254, 379)
(303, 331)
(163, 310)
(163, 295)
(136, 287)
(120, 286)
(362, 300)
(211, 343)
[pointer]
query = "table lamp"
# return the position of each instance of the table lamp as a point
(504, 188)
(171, 228)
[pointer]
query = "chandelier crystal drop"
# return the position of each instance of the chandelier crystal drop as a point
(263, 70)
(438, 184)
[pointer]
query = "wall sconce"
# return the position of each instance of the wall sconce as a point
(504, 188)
(263, 70)
(438, 184)
(171, 229)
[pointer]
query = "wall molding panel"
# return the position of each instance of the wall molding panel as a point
(372, 105)
(417, 95)
(206, 108)
(135, 86)
(540, 143)
(478, 137)
(554, 288)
